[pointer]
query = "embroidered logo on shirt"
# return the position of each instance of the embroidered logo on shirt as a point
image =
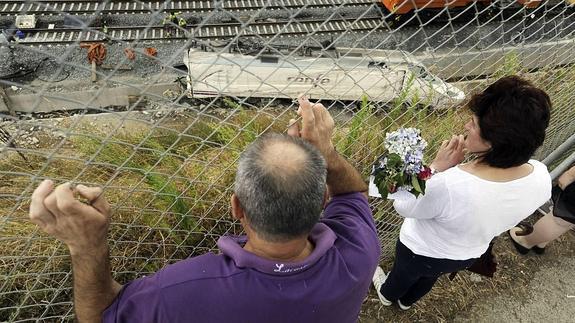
(280, 268)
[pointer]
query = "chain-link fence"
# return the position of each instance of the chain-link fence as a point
(155, 100)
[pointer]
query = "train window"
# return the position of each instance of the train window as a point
(422, 73)
(269, 59)
(425, 75)
(377, 64)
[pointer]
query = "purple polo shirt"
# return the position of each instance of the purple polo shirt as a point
(238, 286)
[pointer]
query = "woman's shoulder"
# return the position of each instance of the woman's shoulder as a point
(454, 173)
(539, 169)
(537, 164)
(450, 177)
(462, 173)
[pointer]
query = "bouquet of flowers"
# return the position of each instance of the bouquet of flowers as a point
(401, 167)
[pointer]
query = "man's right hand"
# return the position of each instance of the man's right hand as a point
(317, 126)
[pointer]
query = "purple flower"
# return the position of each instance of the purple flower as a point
(401, 167)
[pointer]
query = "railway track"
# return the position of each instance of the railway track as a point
(87, 7)
(204, 31)
(64, 36)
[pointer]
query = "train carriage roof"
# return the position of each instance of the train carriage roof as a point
(344, 57)
(391, 56)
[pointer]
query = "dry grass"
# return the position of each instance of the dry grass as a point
(169, 188)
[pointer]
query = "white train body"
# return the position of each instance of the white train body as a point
(347, 75)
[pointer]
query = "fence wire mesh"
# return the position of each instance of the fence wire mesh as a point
(155, 100)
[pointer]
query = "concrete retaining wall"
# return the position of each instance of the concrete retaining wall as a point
(462, 63)
(93, 99)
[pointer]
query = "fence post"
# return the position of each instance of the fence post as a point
(559, 150)
(563, 166)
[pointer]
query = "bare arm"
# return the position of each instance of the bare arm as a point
(342, 177)
(566, 178)
(317, 128)
(94, 287)
(83, 228)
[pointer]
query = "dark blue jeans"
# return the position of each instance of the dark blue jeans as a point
(413, 276)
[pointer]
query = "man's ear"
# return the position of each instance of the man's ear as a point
(237, 210)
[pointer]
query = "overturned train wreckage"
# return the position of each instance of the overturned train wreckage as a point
(343, 74)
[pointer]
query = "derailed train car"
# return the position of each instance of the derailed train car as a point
(343, 75)
(405, 6)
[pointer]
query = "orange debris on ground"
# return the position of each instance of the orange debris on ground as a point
(96, 52)
(130, 53)
(151, 51)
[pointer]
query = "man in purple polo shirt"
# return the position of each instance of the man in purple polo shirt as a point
(292, 265)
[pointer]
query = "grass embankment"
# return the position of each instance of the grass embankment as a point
(170, 186)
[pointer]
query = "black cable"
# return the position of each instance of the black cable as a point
(42, 62)
(24, 72)
(21, 73)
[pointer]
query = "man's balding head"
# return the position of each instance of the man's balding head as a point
(280, 185)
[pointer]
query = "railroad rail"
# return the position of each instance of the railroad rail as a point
(204, 31)
(87, 7)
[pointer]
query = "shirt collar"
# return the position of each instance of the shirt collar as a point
(321, 235)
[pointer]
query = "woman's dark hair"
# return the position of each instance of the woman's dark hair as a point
(513, 115)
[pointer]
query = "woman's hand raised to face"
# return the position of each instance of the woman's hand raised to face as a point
(450, 153)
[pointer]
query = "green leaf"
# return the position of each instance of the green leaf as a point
(393, 160)
(399, 180)
(378, 178)
(382, 188)
(415, 184)
(422, 184)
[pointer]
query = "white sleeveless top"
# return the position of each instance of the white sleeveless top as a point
(461, 213)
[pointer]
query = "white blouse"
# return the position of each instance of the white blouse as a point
(461, 213)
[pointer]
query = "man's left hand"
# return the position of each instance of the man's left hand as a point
(82, 227)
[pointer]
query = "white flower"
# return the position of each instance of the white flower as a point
(402, 161)
(406, 188)
(408, 144)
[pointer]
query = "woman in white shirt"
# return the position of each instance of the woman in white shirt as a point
(466, 205)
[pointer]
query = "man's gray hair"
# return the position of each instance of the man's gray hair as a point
(280, 183)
